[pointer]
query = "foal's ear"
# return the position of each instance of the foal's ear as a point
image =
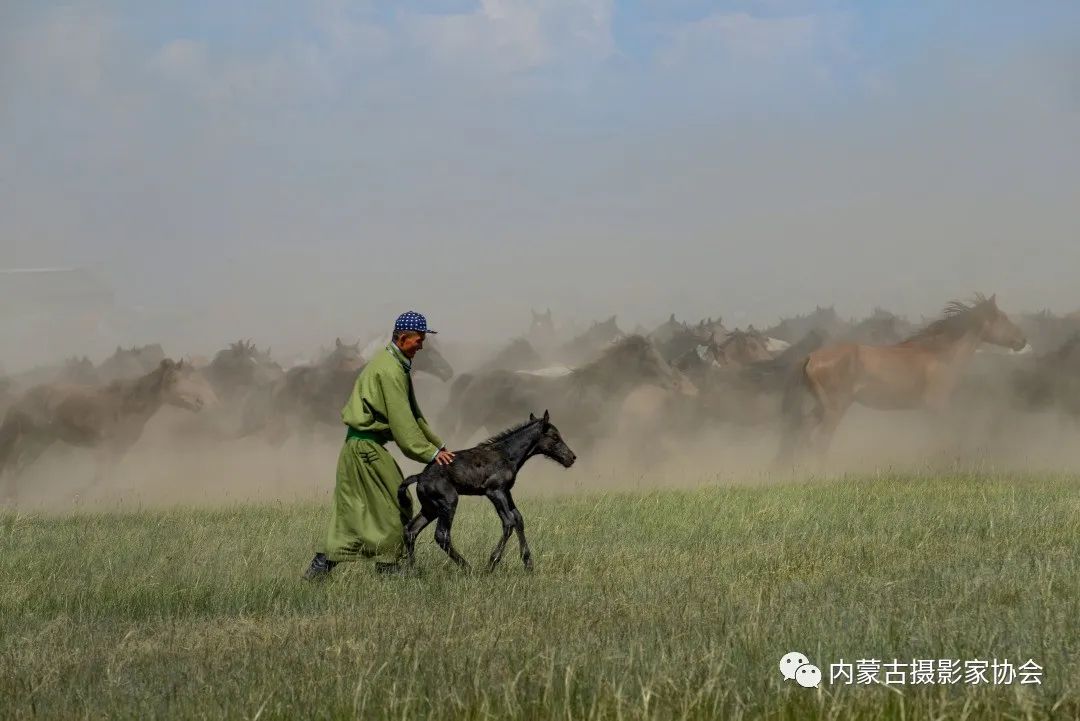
(531, 418)
(547, 417)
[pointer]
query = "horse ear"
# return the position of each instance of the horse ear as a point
(531, 418)
(993, 300)
(547, 416)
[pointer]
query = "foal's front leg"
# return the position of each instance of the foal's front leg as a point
(519, 524)
(506, 515)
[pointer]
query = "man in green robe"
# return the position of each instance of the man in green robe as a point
(366, 520)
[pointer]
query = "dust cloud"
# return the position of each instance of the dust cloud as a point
(309, 171)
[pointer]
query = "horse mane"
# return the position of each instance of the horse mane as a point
(957, 318)
(140, 388)
(623, 346)
(512, 430)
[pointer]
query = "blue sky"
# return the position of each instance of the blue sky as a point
(252, 166)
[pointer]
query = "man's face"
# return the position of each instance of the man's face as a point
(409, 343)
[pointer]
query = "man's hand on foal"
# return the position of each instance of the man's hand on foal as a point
(444, 457)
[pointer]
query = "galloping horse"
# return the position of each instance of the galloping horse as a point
(921, 372)
(109, 418)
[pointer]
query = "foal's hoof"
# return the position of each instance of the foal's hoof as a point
(528, 565)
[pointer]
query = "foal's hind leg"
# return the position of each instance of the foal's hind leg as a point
(442, 530)
(506, 515)
(413, 530)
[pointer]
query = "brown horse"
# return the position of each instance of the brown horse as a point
(130, 363)
(109, 418)
(241, 367)
(921, 372)
(310, 396)
(586, 396)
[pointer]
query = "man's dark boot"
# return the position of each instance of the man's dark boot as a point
(320, 568)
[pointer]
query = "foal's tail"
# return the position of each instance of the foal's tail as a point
(792, 410)
(405, 500)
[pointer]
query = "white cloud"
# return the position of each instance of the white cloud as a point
(344, 43)
(743, 38)
(514, 35)
(68, 48)
(182, 59)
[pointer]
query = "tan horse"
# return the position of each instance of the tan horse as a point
(921, 372)
(109, 418)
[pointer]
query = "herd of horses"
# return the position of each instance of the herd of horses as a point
(800, 376)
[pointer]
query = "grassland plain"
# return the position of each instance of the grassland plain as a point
(665, 604)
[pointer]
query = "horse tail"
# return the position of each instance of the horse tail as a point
(794, 391)
(405, 506)
(792, 410)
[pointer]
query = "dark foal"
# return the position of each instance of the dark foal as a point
(488, 469)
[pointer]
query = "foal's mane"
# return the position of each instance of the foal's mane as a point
(957, 318)
(513, 430)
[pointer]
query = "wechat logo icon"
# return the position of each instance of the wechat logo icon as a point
(795, 666)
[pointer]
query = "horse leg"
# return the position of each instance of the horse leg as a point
(526, 554)
(416, 525)
(506, 515)
(107, 460)
(442, 530)
(826, 429)
(830, 409)
(10, 448)
(413, 530)
(23, 451)
(797, 426)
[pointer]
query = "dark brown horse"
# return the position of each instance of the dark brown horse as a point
(310, 396)
(586, 396)
(240, 368)
(109, 418)
(590, 344)
(542, 332)
(921, 372)
(130, 363)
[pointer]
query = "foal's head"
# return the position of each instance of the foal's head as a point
(551, 443)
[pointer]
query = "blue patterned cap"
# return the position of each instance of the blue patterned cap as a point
(412, 320)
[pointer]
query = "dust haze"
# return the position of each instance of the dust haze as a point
(195, 176)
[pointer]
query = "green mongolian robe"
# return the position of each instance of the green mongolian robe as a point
(366, 520)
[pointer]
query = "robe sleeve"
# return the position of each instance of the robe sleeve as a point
(404, 426)
(428, 433)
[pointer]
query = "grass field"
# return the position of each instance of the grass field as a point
(669, 604)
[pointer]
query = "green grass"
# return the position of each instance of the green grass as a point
(659, 605)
